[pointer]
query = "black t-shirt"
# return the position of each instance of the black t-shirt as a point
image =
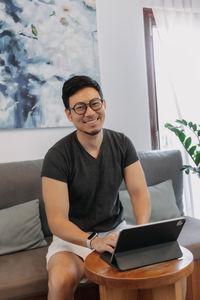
(93, 183)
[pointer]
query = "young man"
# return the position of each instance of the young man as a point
(81, 177)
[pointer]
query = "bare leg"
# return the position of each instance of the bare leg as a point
(65, 270)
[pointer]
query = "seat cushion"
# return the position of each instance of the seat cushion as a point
(190, 237)
(23, 274)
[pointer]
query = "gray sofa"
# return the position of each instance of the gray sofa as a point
(23, 273)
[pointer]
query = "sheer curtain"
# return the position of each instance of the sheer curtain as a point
(177, 57)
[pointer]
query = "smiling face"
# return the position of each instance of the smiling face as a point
(92, 121)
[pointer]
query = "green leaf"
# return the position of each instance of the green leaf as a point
(197, 159)
(188, 142)
(192, 150)
(190, 124)
(177, 131)
(194, 127)
(180, 134)
(184, 167)
(184, 122)
(168, 125)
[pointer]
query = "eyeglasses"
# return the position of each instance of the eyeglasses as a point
(80, 108)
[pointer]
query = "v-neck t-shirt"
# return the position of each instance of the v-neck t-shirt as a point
(93, 183)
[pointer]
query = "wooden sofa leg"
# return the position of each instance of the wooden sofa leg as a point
(193, 283)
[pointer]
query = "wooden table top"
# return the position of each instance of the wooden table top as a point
(151, 276)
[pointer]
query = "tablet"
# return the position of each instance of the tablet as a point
(146, 244)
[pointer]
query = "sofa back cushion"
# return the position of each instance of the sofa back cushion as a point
(163, 203)
(159, 166)
(21, 182)
(20, 228)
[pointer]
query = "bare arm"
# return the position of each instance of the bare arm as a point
(56, 198)
(55, 194)
(137, 189)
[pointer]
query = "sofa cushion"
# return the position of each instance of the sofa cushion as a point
(159, 166)
(20, 182)
(163, 203)
(23, 274)
(189, 236)
(20, 228)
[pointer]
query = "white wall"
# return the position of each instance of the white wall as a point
(123, 79)
(25, 144)
(123, 68)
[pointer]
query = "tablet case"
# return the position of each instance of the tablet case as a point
(146, 244)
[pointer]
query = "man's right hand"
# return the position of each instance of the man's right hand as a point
(107, 243)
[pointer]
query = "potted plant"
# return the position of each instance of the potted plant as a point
(192, 149)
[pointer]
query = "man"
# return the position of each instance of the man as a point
(81, 177)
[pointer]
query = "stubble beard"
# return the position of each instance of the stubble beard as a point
(93, 132)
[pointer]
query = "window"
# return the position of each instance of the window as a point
(163, 103)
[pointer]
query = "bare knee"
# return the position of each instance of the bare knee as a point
(65, 271)
(62, 282)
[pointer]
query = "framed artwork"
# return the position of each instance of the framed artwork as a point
(42, 44)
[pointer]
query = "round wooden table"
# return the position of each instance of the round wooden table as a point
(163, 281)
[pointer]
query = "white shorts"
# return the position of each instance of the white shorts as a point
(59, 245)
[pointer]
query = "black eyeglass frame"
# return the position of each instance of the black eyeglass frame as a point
(89, 103)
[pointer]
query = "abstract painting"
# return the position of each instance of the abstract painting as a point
(42, 44)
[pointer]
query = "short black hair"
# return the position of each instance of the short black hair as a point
(76, 83)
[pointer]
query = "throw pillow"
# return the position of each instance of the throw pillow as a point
(20, 228)
(163, 203)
